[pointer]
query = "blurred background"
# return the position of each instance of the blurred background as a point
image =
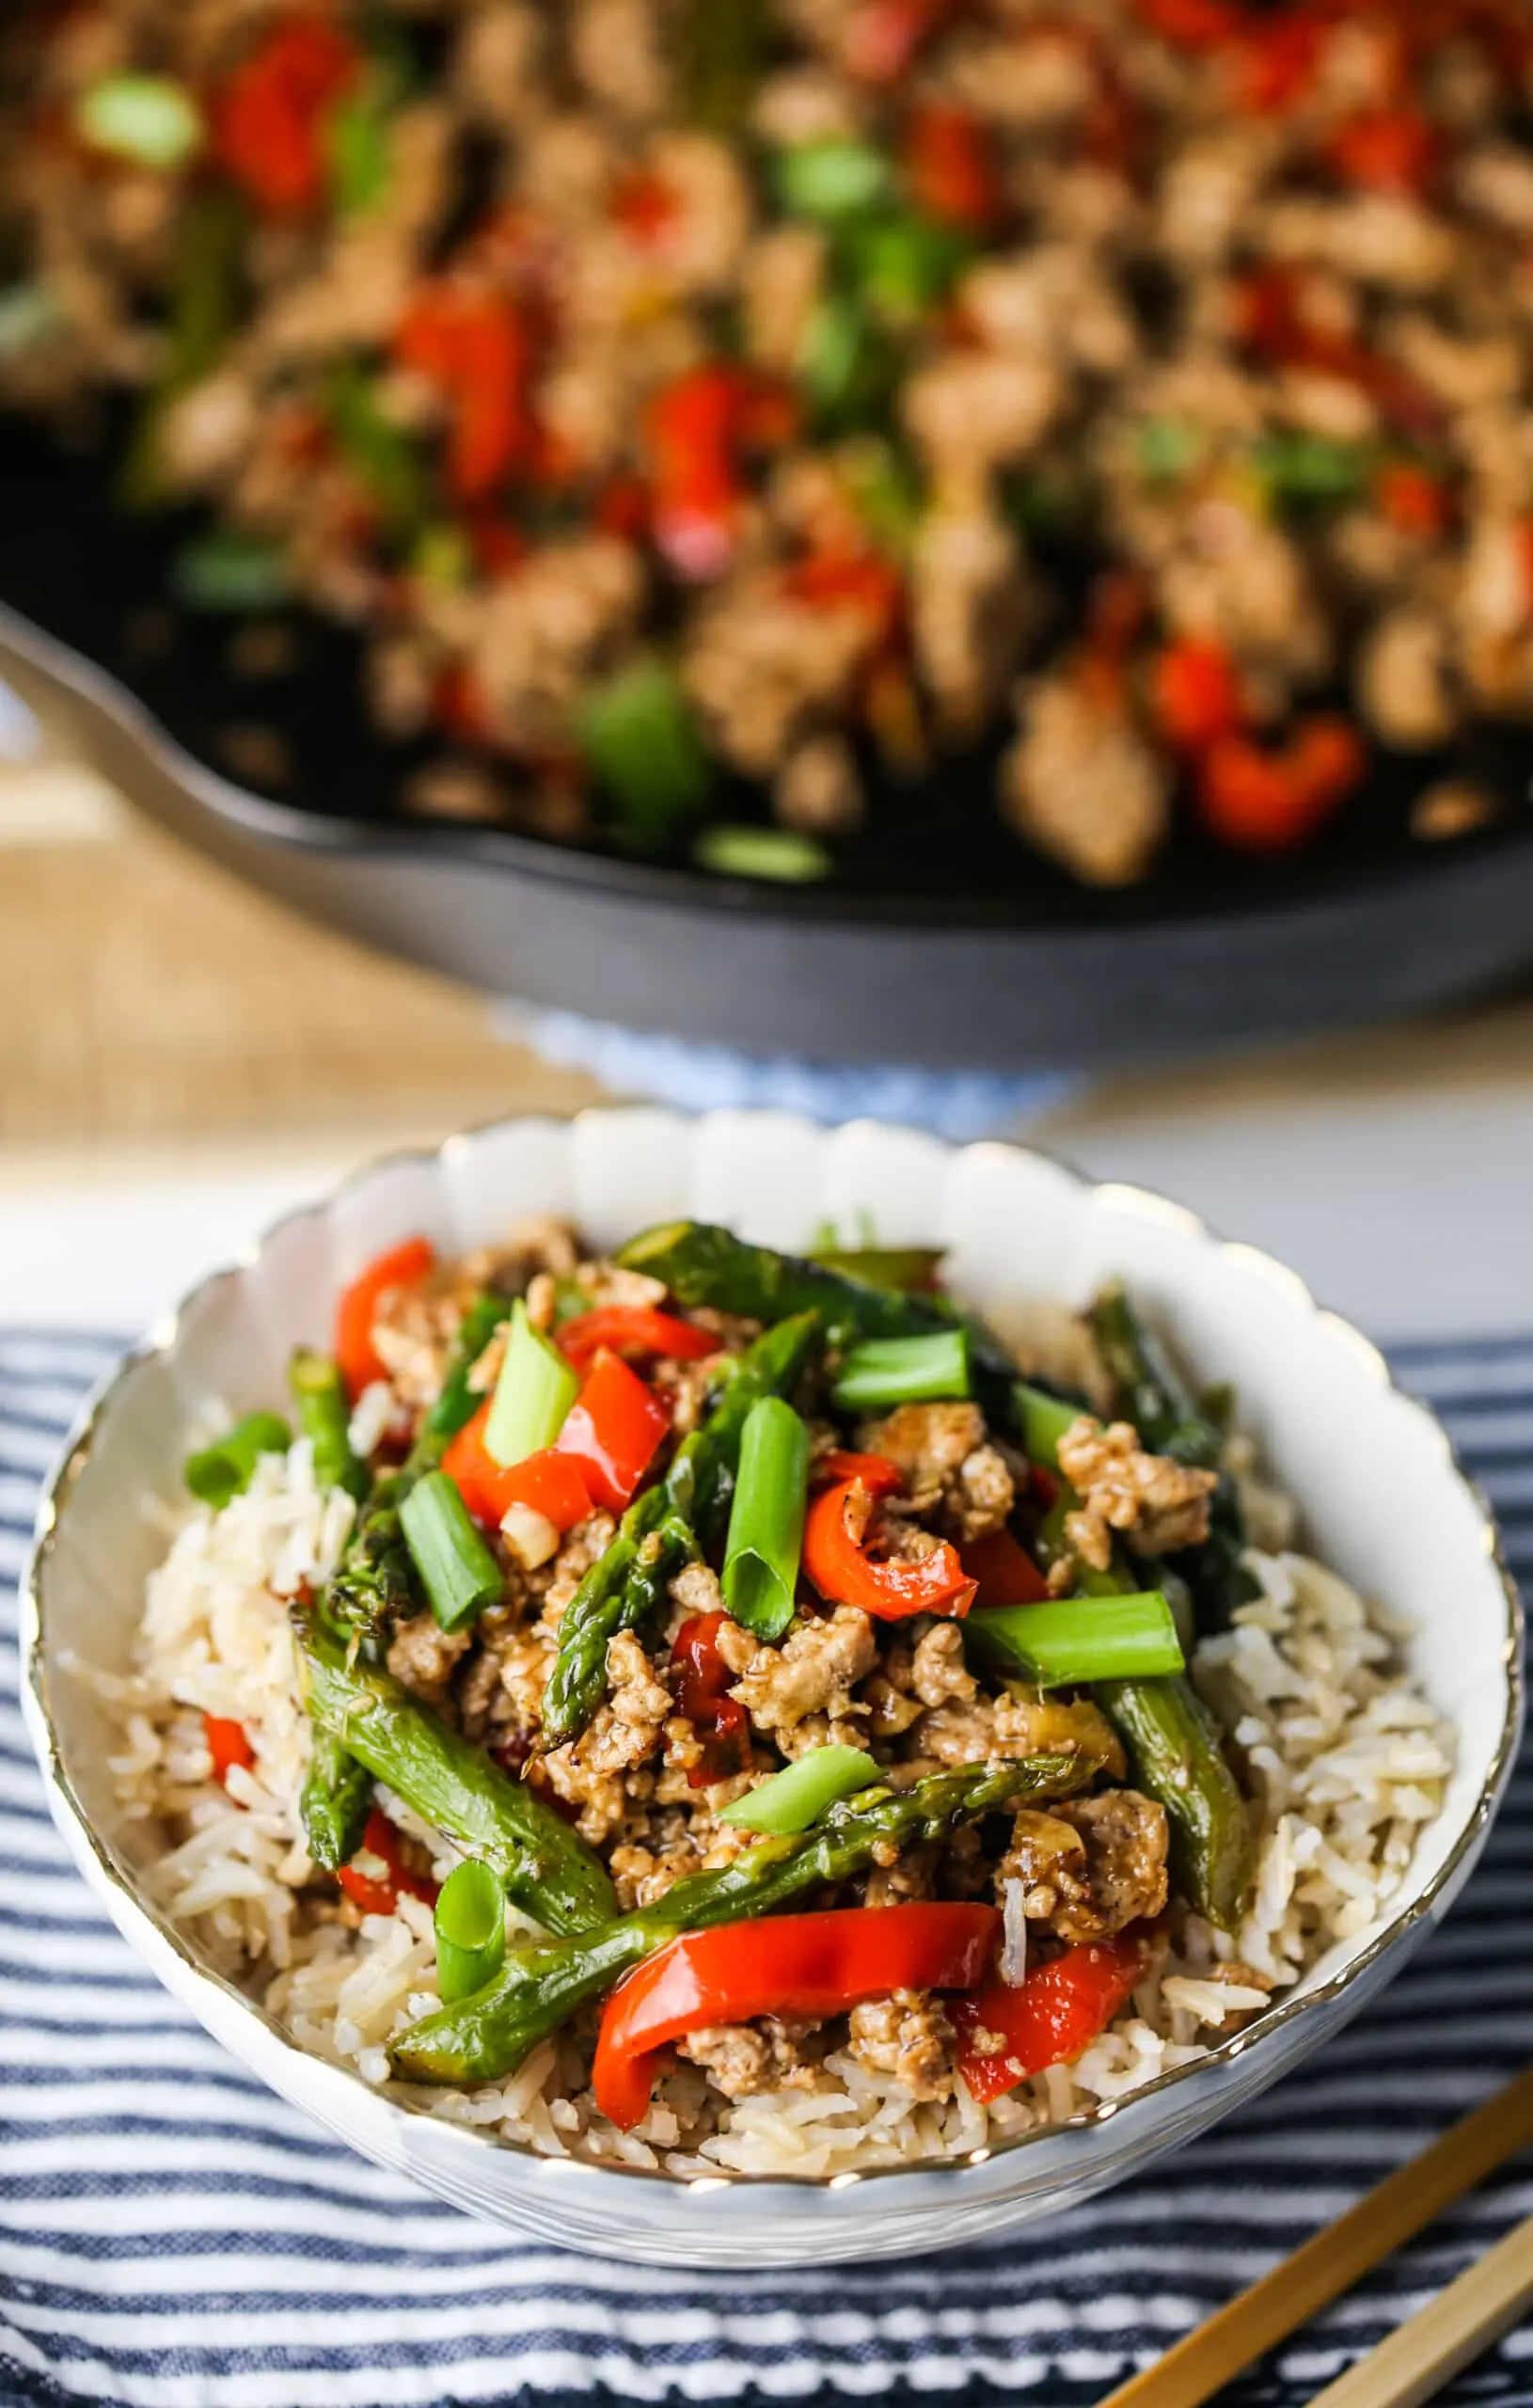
(966, 561)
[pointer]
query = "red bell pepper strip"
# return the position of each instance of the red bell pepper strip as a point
(228, 1745)
(844, 1573)
(1394, 149)
(1194, 24)
(813, 1965)
(1052, 2016)
(477, 348)
(269, 119)
(646, 207)
(698, 432)
(1195, 694)
(1005, 1573)
(951, 170)
(720, 1721)
(1262, 801)
(551, 1483)
(1280, 60)
(878, 1474)
(360, 1363)
(613, 1428)
(633, 1329)
(1413, 500)
(882, 38)
(378, 1892)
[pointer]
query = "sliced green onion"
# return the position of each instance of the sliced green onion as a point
(638, 733)
(319, 1398)
(791, 1801)
(149, 120)
(833, 179)
(1092, 1638)
(442, 558)
(885, 491)
(1168, 447)
(217, 1473)
(534, 1392)
(780, 853)
(202, 303)
(1311, 467)
(459, 1402)
(357, 154)
(847, 364)
(903, 1268)
(904, 265)
(1039, 1421)
(767, 1519)
(470, 1920)
(381, 453)
(457, 1571)
(903, 1371)
(228, 571)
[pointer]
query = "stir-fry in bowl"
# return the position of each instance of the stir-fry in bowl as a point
(730, 1756)
(716, 416)
(705, 1708)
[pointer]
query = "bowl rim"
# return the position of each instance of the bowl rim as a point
(124, 1897)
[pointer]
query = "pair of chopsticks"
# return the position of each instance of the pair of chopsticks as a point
(1427, 2350)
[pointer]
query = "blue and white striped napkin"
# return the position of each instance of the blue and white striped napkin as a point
(172, 2236)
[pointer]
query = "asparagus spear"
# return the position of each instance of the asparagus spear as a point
(488, 2036)
(546, 1866)
(702, 1264)
(375, 1579)
(320, 1402)
(334, 1803)
(1175, 1754)
(1169, 1419)
(662, 1526)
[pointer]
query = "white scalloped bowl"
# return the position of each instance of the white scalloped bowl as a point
(1382, 1496)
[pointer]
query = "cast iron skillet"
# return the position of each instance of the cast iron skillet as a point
(947, 943)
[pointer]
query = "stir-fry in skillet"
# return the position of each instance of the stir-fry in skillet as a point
(709, 1705)
(803, 393)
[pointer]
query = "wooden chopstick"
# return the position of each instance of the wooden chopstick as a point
(1336, 2258)
(1430, 2348)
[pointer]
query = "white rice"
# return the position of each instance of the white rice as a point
(1345, 1761)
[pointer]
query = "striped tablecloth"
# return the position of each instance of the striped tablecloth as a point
(172, 2236)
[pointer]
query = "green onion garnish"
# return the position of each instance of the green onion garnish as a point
(357, 154)
(778, 853)
(766, 1520)
(793, 1799)
(905, 264)
(1092, 1638)
(381, 453)
(848, 366)
(149, 120)
(228, 571)
(638, 733)
(1168, 447)
(319, 1398)
(458, 1402)
(1039, 1421)
(457, 1571)
(1296, 468)
(534, 1392)
(903, 1371)
(217, 1473)
(470, 1920)
(833, 179)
